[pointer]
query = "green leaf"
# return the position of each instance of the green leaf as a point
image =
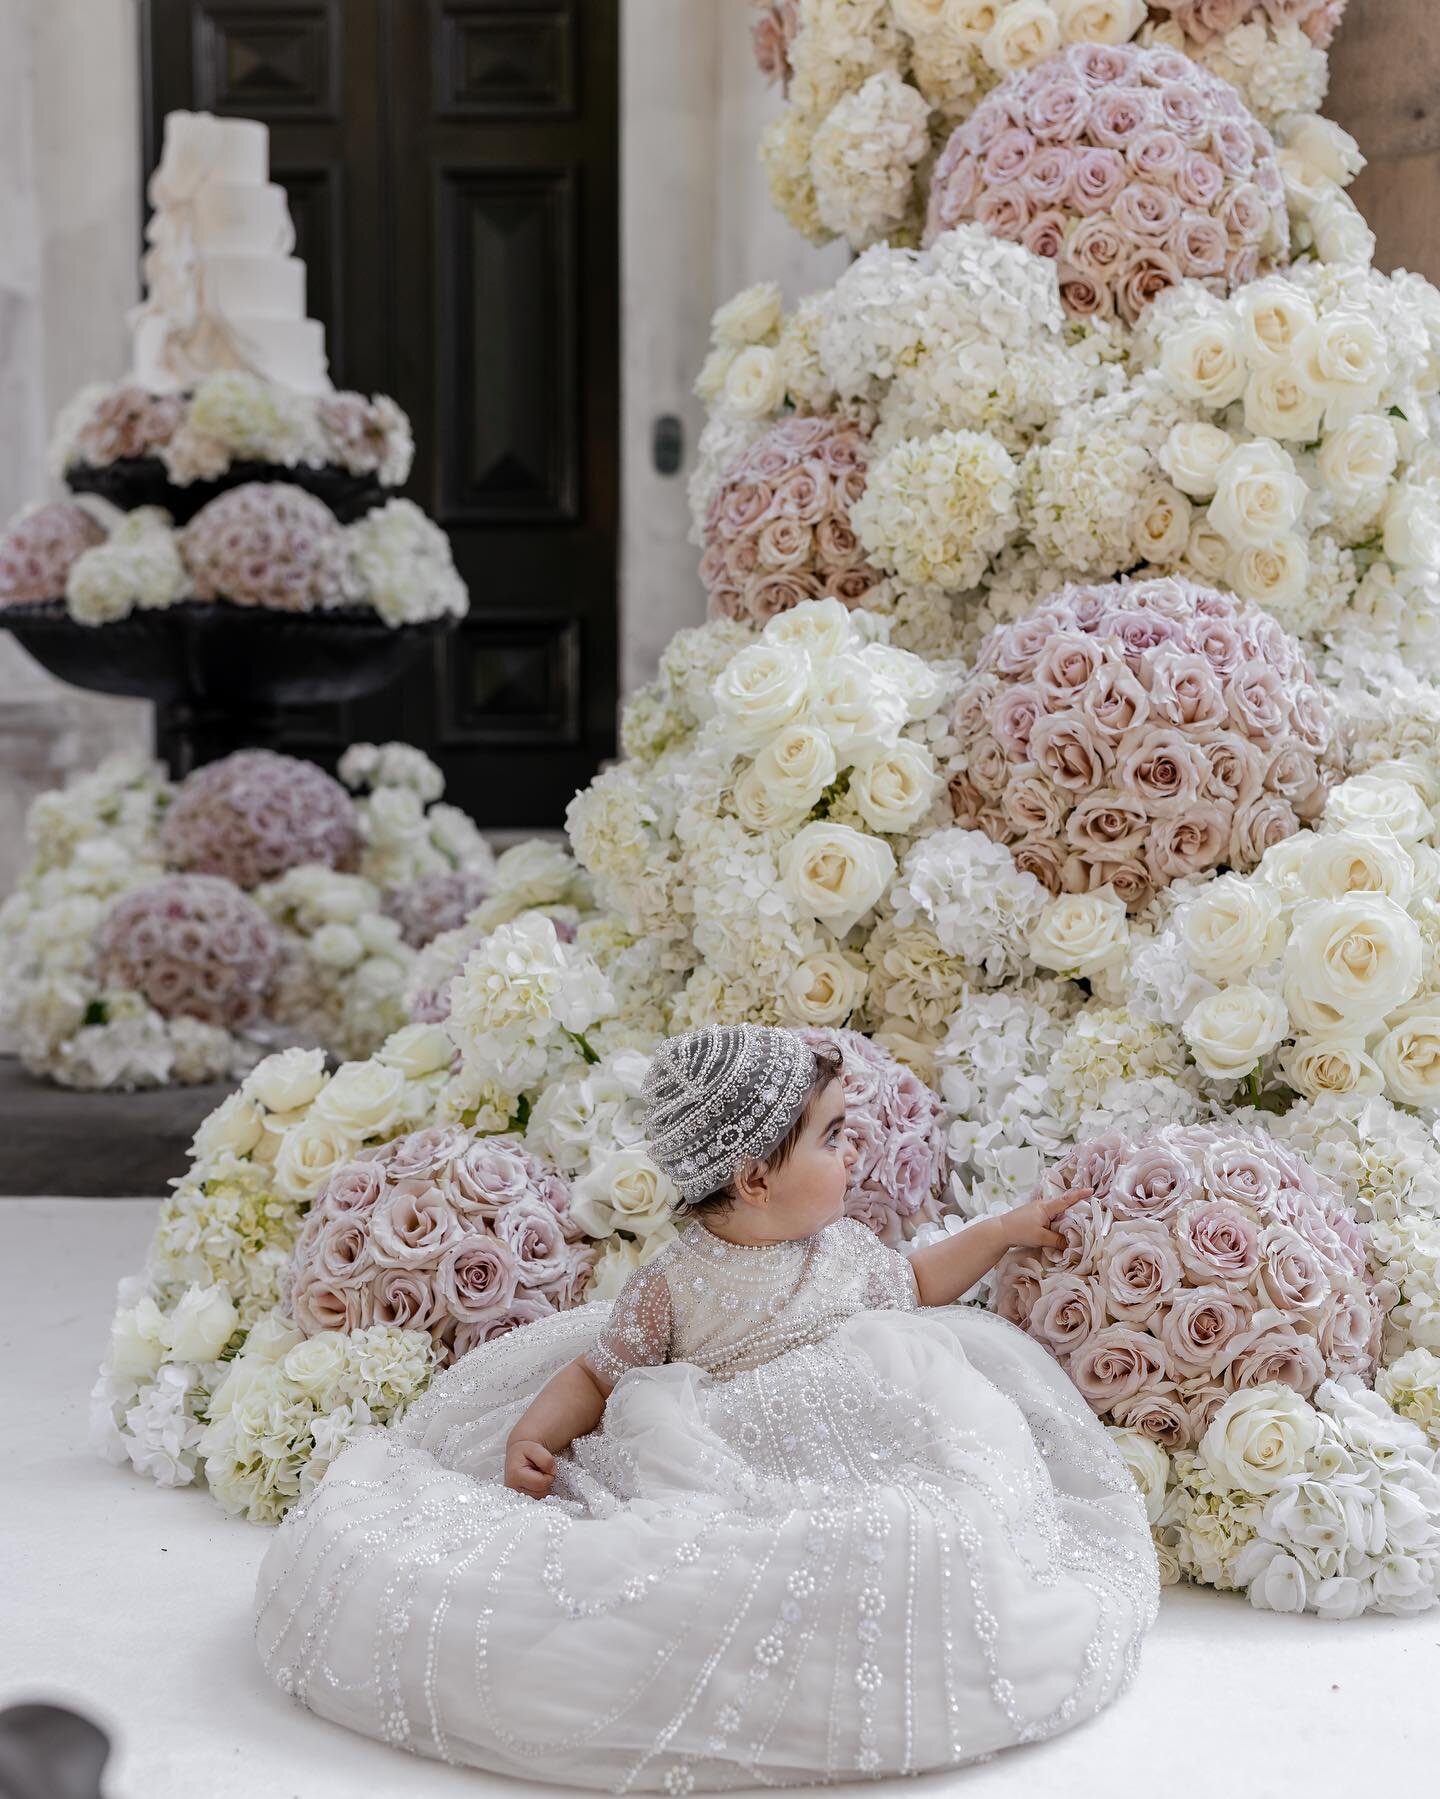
(1396, 413)
(97, 1012)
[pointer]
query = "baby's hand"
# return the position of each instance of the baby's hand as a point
(529, 1468)
(1029, 1226)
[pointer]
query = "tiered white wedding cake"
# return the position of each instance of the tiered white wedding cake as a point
(223, 289)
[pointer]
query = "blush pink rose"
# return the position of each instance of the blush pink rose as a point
(1218, 1242)
(1153, 1181)
(476, 1280)
(1271, 1349)
(527, 1308)
(1067, 1309)
(1198, 1325)
(1016, 1286)
(1159, 1413)
(405, 1299)
(412, 1229)
(1138, 1269)
(1115, 1364)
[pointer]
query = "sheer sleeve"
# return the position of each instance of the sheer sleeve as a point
(890, 1280)
(637, 1333)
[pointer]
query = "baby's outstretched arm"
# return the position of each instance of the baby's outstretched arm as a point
(943, 1271)
(569, 1405)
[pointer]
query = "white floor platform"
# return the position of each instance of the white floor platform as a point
(134, 1605)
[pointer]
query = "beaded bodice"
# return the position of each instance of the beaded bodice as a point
(726, 1307)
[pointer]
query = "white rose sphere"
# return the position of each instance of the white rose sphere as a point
(821, 628)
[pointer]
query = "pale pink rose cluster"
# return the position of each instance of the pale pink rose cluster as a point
(1202, 20)
(1128, 735)
(36, 552)
(266, 543)
(1207, 1260)
(1134, 169)
(778, 530)
(425, 907)
(896, 1123)
(251, 816)
(772, 31)
(127, 422)
(192, 946)
(464, 1237)
(366, 437)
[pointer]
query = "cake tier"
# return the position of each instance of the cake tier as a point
(289, 352)
(232, 218)
(253, 287)
(198, 146)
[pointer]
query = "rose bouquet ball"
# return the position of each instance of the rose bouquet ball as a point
(778, 530)
(896, 1124)
(193, 947)
(1204, 20)
(430, 904)
(437, 1231)
(1128, 735)
(251, 816)
(38, 548)
(1135, 169)
(267, 543)
(1207, 1260)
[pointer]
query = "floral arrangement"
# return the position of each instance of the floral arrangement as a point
(433, 1232)
(1128, 736)
(434, 903)
(234, 417)
(1207, 1261)
(271, 826)
(778, 529)
(251, 816)
(1133, 168)
(265, 544)
(191, 946)
(1271, 50)
(39, 549)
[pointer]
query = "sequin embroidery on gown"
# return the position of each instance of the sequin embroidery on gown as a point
(820, 1532)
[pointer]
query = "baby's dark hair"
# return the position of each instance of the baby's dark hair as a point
(829, 1065)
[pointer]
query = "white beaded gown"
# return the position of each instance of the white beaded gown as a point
(819, 1533)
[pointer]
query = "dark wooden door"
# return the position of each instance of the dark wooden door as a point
(453, 170)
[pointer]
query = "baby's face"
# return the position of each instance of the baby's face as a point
(809, 1191)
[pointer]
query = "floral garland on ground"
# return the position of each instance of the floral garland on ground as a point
(168, 933)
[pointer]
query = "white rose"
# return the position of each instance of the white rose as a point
(1342, 237)
(754, 382)
(623, 1191)
(318, 1366)
(1099, 21)
(287, 1081)
(1234, 1029)
(1305, 188)
(271, 1339)
(308, 1155)
(1259, 1436)
(202, 1324)
(1412, 529)
(1318, 1066)
(1349, 962)
(1357, 461)
(1203, 360)
(1275, 316)
(894, 789)
(417, 1050)
(1409, 1060)
(1259, 496)
(137, 1340)
(1344, 356)
(337, 946)
(856, 706)
(1024, 33)
(1079, 934)
(1371, 800)
(750, 317)
(1148, 1464)
(710, 382)
(1162, 524)
(1358, 861)
(929, 15)
(1193, 457)
(1283, 866)
(233, 1128)
(907, 673)
(821, 628)
(761, 689)
(1234, 925)
(1273, 574)
(824, 989)
(1323, 146)
(364, 1099)
(1208, 553)
(1280, 402)
(971, 21)
(786, 778)
(836, 873)
(619, 1260)
(538, 868)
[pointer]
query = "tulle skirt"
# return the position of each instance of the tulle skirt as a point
(900, 1548)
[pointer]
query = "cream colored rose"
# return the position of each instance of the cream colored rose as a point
(1193, 457)
(1412, 528)
(1323, 146)
(1099, 21)
(1304, 187)
(308, 1155)
(907, 673)
(318, 1365)
(1275, 316)
(1234, 1029)
(1162, 524)
(1234, 925)
(835, 873)
(856, 707)
(417, 1050)
(710, 382)
(1203, 360)
(620, 1258)
(1148, 1464)
(1024, 33)
(750, 317)
(202, 1324)
(1342, 237)
(763, 688)
(363, 1099)
(1349, 962)
(1079, 934)
(1317, 1066)
(1357, 461)
(137, 1340)
(1376, 801)
(824, 989)
(1208, 553)
(786, 778)
(1409, 1058)
(287, 1081)
(1283, 867)
(1259, 1437)
(234, 1128)
(1344, 357)
(1280, 402)
(337, 946)
(754, 382)
(820, 628)
(1260, 495)
(894, 789)
(623, 1191)
(1358, 862)
(1272, 574)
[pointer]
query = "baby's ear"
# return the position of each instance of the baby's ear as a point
(751, 1181)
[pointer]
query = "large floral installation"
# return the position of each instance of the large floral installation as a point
(1070, 763)
(171, 933)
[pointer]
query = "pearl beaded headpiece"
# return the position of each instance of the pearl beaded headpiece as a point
(717, 1095)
